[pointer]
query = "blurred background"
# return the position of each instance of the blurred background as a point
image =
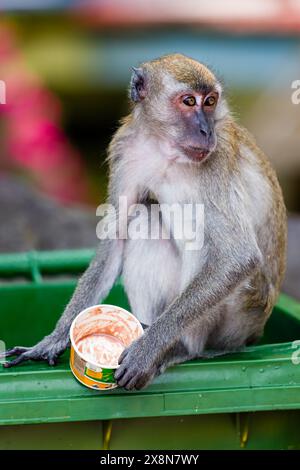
(66, 65)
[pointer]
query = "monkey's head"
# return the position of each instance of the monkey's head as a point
(180, 101)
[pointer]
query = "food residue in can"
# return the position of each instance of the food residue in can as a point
(101, 349)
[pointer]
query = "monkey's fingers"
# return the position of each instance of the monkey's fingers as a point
(130, 384)
(21, 358)
(52, 361)
(124, 379)
(143, 381)
(133, 379)
(14, 352)
(120, 372)
(122, 356)
(30, 354)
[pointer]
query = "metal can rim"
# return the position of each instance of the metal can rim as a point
(84, 311)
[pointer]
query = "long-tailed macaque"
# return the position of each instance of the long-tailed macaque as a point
(180, 144)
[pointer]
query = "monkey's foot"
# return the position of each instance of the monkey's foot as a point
(46, 350)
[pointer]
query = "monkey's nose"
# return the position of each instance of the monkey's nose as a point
(206, 132)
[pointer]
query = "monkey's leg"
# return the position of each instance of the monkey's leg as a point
(93, 286)
(179, 354)
(193, 345)
(175, 355)
(190, 346)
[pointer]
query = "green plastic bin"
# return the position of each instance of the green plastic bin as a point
(248, 400)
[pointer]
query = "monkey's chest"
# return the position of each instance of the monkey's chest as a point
(179, 211)
(163, 252)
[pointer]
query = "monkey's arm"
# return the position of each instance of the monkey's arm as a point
(222, 272)
(93, 286)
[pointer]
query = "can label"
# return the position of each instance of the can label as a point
(90, 375)
(101, 375)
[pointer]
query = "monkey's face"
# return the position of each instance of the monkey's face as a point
(180, 102)
(195, 122)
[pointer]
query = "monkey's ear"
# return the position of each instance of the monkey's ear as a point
(137, 85)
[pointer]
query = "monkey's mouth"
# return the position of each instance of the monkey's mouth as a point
(197, 154)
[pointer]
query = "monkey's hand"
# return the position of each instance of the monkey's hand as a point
(49, 349)
(139, 363)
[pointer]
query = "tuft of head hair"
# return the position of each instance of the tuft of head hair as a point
(185, 70)
(181, 68)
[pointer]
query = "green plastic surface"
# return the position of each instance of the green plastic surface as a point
(40, 284)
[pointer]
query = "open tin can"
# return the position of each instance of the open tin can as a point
(98, 336)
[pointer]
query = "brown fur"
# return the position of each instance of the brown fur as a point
(184, 70)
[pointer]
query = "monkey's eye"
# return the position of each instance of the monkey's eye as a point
(210, 101)
(189, 101)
